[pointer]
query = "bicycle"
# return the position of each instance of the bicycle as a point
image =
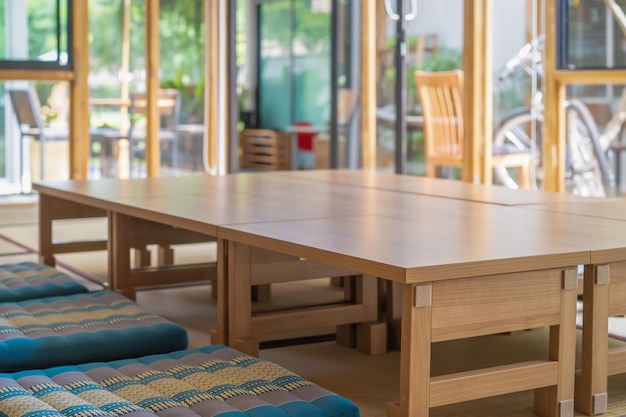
(587, 168)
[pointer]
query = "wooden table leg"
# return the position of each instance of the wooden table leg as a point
(119, 254)
(591, 382)
(393, 306)
(54, 208)
(558, 400)
(415, 353)
(46, 255)
(220, 291)
(240, 299)
(371, 336)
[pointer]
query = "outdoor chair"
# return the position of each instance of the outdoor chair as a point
(27, 109)
(168, 103)
(440, 94)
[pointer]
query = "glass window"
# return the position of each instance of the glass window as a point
(34, 34)
(118, 75)
(593, 35)
(434, 42)
(294, 63)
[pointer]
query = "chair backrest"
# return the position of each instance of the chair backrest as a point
(168, 102)
(346, 103)
(440, 94)
(27, 108)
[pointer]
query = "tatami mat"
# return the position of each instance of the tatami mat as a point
(17, 215)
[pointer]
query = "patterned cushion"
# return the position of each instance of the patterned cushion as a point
(209, 381)
(80, 328)
(29, 280)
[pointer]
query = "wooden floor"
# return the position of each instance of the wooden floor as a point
(370, 381)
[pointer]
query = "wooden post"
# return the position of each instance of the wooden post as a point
(368, 85)
(122, 145)
(554, 117)
(79, 141)
(153, 148)
(478, 91)
(216, 92)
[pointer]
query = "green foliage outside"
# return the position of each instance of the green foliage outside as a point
(181, 48)
(310, 28)
(443, 59)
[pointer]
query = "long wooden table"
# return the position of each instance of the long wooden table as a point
(466, 268)
(604, 295)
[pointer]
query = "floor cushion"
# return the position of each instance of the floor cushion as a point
(209, 381)
(29, 280)
(80, 328)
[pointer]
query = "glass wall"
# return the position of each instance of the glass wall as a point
(117, 77)
(34, 34)
(593, 37)
(34, 31)
(432, 41)
(294, 63)
(308, 79)
(36, 147)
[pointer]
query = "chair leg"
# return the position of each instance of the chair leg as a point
(21, 179)
(430, 171)
(524, 176)
(41, 163)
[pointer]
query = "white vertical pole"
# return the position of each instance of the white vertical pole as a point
(215, 152)
(16, 47)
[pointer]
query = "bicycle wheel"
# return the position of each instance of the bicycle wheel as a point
(587, 167)
(519, 132)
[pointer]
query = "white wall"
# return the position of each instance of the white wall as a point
(445, 17)
(16, 47)
(509, 29)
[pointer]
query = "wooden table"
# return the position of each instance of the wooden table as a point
(171, 211)
(435, 187)
(470, 271)
(466, 268)
(604, 295)
(131, 229)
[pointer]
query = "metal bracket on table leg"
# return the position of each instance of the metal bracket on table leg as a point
(603, 274)
(600, 403)
(423, 296)
(570, 279)
(566, 408)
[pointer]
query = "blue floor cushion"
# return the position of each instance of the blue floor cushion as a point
(98, 326)
(209, 381)
(29, 280)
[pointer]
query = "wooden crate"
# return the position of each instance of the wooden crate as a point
(264, 150)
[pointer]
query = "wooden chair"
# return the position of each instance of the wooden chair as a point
(346, 104)
(444, 134)
(27, 109)
(168, 103)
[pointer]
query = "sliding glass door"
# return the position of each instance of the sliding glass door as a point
(307, 52)
(34, 35)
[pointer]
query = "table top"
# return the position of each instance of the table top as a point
(436, 187)
(368, 222)
(485, 240)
